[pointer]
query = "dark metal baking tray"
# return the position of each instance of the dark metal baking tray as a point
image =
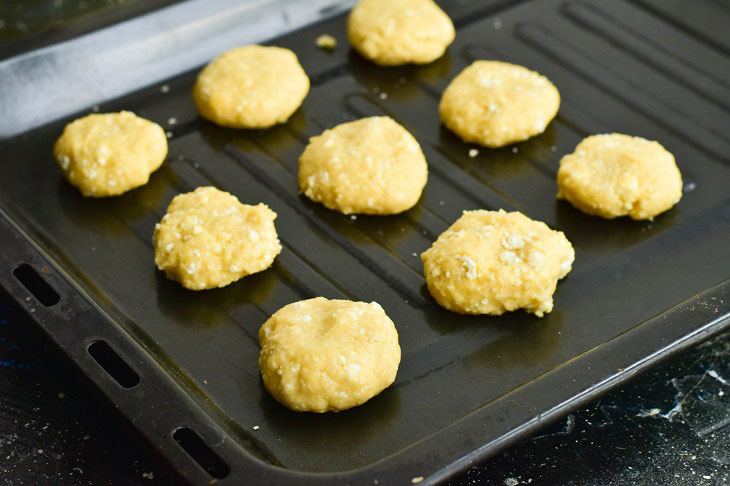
(467, 386)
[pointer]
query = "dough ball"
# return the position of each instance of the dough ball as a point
(251, 87)
(619, 175)
(370, 166)
(109, 154)
(322, 355)
(489, 262)
(209, 239)
(495, 103)
(391, 33)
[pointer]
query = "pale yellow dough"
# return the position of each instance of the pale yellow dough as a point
(619, 175)
(209, 239)
(395, 32)
(489, 262)
(371, 166)
(495, 103)
(109, 154)
(322, 355)
(251, 87)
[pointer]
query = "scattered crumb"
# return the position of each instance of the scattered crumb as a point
(649, 413)
(415, 254)
(255, 427)
(61, 395)
(164, 88)
(383, 96)
(168, 134)
(353, 217)
(417, 479)
(473, 153)
(205, 381)
(327, 42)
(171, 120)
(515, 150)
(148, 475)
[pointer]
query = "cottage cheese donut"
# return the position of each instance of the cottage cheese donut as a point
(322, 355)
(619, 175)
(209, 239)
(489, 262)
(495, 103)
(371, 166)
(391, 33)
(109, 154)
(251, 87)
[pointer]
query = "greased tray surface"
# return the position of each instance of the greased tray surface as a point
(467, 385)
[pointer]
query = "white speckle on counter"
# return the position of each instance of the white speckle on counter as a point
(649, 413)
(473, 153)
(171, 120)
(255, 427)
(416, 480)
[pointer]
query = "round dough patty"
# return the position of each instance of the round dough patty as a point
(371, 166)
(251, 87)
(489, 262)
(209, 239)
(495, 103)
(619, 175)
(109, 154)
(392, 33)
(322, 355)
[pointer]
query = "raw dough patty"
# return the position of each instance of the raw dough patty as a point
(495, 103)
(251, 87)
(109, 154)
(395, 32)
(370, 166)
(209, 239)
(619, 175)
(489, 262)
(322, 355)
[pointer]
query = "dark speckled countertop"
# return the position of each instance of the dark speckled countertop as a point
(669, 426)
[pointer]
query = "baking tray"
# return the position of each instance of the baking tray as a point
(182, 366)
